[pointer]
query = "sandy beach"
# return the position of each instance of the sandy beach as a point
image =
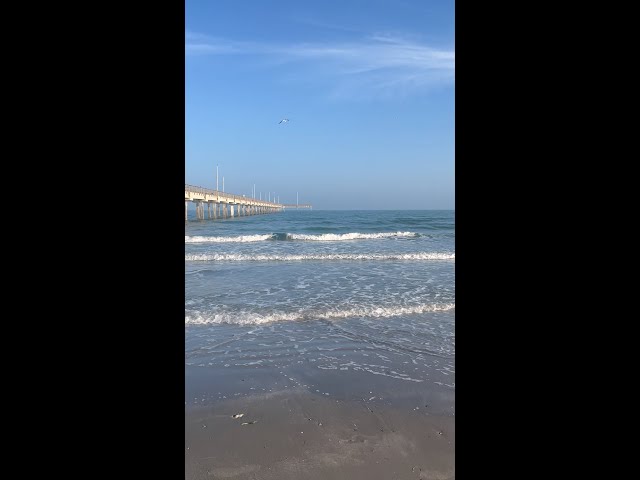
(295, 434)
(314, 424)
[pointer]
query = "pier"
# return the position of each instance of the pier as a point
(225, 205)
(302, 205)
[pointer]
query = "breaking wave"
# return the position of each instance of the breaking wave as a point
(239, 257)
(324, 237)
(240, 238)
(253, 318)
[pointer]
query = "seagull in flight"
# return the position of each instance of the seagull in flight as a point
(284, 120)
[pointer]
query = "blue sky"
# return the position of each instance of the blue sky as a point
(367, 86)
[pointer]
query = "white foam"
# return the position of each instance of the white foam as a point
(239, 257)
(325, 237)
(332, 237)
(241, 238)
(252, 318)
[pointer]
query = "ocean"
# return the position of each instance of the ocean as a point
(340, 304)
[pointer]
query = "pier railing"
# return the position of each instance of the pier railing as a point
(218, 193)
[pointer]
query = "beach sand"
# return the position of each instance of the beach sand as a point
(297, 434)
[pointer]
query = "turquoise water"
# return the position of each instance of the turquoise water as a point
(309, 297)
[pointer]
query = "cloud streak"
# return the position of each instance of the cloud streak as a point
(376, 65)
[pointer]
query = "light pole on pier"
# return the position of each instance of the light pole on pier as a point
(217, 177)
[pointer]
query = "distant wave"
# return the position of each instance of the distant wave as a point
(333, 237)
(241, 238)
(325, 237)
(252, 318)
(238, 257)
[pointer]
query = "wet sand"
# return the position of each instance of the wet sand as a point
(297, 434)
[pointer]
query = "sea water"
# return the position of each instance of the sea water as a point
(339, 303)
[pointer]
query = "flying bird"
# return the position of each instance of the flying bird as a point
(284, 120)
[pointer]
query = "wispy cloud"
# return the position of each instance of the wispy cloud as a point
(376, 65)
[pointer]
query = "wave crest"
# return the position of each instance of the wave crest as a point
(239, 257)
(324, 237)
(333, 237)
(252, 318)
(240, 238)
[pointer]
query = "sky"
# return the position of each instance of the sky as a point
(367, 86)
